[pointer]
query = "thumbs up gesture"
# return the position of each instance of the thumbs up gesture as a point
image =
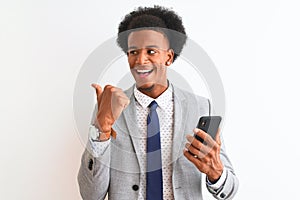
(111, 102)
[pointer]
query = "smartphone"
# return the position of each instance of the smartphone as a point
(210, 125)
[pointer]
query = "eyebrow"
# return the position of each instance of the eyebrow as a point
(149, 46)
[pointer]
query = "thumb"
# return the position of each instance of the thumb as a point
(98, 90)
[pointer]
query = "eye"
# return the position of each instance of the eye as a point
(132, 52)
(151, 51)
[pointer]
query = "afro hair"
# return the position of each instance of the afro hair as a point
(156, 18)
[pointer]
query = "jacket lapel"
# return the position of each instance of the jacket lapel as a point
(180, 116)
(131, 121)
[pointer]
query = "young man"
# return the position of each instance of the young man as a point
(152, 156)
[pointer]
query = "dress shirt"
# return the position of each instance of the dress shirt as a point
(165, 112)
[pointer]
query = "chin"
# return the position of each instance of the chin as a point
(146, 87)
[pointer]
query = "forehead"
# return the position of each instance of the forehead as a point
(146, 38)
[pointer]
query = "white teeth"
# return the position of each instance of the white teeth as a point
(143, 70)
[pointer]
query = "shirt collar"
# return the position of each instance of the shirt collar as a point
(163, 100)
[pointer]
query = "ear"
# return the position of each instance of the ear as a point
(170, 57)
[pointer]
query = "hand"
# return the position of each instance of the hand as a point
(206, 157)
(111, 102)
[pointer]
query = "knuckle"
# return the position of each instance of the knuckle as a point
(107, 87)
(209, 155)
(216, 146)
(192, 150)
(112, 89)
(197, 143)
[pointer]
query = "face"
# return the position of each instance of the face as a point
(148, 56)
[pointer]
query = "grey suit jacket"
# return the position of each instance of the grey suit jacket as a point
(117, 171)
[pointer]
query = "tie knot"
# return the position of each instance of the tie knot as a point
(153, 105)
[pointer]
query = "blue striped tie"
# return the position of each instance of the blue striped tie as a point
(154, 172)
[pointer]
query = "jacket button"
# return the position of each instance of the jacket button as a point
(135, 187)
(90, 166)
(222, 195)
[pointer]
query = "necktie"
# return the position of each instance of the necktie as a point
(154, 188)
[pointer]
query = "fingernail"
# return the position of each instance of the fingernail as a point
(196, 129)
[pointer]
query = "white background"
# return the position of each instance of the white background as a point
(43, 44)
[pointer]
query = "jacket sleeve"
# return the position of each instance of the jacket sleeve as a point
(94, 173)
(230, 186)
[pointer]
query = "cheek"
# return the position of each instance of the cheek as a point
(161, 70)
(163, 59)
(132, 73)
(130, 62)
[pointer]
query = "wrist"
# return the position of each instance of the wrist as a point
(105, 127)
(104, 136)
(217, 186)
(213, 178)
(96, 134)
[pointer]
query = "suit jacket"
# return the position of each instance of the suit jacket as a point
(117, 171)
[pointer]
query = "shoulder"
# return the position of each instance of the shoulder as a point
(181, 93)
(129, 91)
(191, 99)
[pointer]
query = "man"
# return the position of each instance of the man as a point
(139, 146)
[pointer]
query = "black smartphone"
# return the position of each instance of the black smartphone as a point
(210, 125)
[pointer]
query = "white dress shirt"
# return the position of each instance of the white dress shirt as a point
(165, 112)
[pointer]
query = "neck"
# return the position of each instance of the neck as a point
(155, 90)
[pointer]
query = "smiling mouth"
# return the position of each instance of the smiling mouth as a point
(144, 72)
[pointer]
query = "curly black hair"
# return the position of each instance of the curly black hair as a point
(156, 18)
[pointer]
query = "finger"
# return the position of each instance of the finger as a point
(190, 157)
(195, 151)
(121, 96)
(98, 89)
(125, 101)
(116, 89)
(199, 164)
(119, 101)
(198, 145)
(218, 138)
(118, 92)
(205, 136)
(109, 87)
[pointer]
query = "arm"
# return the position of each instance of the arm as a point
(94, 172)
(212, 160)
(93, 176)
(226, 188)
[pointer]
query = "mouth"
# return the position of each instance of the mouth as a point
(144, 72)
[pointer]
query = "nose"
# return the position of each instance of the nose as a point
(142, 57)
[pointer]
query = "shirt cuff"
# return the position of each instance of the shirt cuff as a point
(219, 183)
(98, 148)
